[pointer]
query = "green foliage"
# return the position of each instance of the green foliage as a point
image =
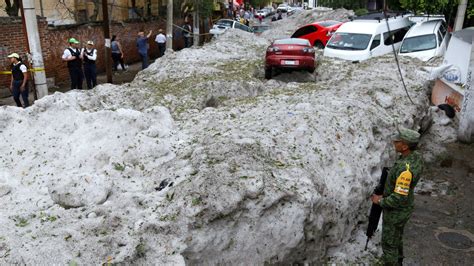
(119, 167)
(361, 12)
(427, 6)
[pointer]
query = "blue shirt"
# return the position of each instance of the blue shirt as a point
(142, 44)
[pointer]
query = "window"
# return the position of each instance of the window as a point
(395, 36)
(349, 41)
(440, 38)
(443, 28)
(292, 41)
(304, 31)
(418, 43)
(375, 42)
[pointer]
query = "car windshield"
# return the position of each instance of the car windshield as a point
(418, 43)
(226, 23)
(260, 28)
(349, 41)
(294, 41)
(328, 23)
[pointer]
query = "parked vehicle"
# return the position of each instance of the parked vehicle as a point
(259, 28)
(362, 39)
(262, 12)
(290, 53)
(284, 8)
(223, 24)
(426, 40)
(317, 33)
(270, 11)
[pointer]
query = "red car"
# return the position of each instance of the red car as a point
(291, 53)
(318, 33)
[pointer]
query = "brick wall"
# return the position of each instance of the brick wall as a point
(54, 41)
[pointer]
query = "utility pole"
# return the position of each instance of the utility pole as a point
(108, 52)
(196, 25)
(169, 25)
(34, 43)
(459, 21)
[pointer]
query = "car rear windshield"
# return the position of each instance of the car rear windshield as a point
(349, 41)
(227, 23)
(328, 23)
(418, 43)
(294, 41)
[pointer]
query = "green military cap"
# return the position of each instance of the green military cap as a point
(408, 135)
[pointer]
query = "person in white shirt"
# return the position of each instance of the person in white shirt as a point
(161, 40)
(18, 85)
(72, 55)
(89, 56)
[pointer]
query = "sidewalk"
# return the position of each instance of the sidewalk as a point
(118, 77)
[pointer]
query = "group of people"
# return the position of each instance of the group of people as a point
(81, 62)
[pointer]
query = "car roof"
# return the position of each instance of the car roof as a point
(424, 28)
(369, 26)
(325, 21)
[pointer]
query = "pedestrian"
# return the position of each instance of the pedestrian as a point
(19, 80)
(187, 29)
(72, 55)
(161, 40)
(397, 199)
(279, 16)
(117, 53)
(89, 56)
(142, 45)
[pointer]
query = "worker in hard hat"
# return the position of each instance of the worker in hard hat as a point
(19, 80)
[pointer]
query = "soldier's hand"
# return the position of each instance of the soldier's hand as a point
(376, 198)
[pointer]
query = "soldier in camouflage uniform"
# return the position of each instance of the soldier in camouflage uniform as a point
(397, 199)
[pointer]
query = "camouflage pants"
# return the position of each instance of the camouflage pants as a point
(392, 235)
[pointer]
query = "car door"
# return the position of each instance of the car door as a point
(376, 46)
(443, 38)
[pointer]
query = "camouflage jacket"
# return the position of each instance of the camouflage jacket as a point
(395, 197)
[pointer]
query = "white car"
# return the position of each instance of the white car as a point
(223, 24)
(365, 38)
(426, 40)
(263, 13)
(284, 8)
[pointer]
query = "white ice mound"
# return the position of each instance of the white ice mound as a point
(80, 190)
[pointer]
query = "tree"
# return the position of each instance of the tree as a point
(12, 7)
(428, 6)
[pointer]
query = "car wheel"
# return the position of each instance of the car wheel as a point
(318, 45)
(268, 72)
(311, 70)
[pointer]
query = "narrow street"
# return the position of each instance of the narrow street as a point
(441, 229)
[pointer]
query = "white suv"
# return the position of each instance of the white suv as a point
(426, 40)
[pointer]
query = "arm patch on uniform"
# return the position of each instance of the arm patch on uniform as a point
(402, 185)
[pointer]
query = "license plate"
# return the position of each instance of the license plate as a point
(290, 62)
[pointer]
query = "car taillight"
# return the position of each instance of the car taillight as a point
(273, 49)
(308, 50)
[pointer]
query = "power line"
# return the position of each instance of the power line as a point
(396, 57)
